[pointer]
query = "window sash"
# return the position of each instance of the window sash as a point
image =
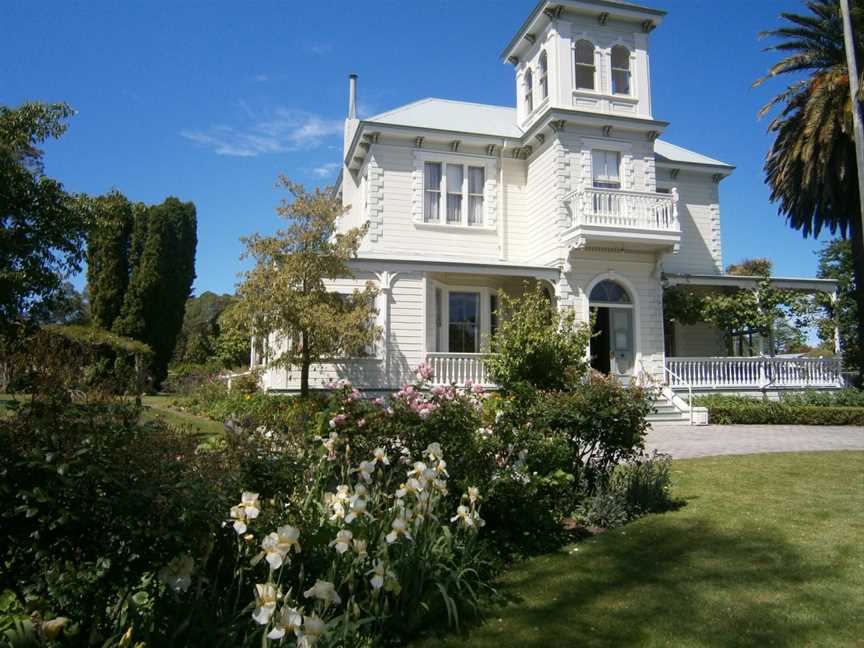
(456, 197)
(606, 167)
(583, 58)
(431, 192)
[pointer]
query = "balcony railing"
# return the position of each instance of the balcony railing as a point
(754, 373)
(458, 368)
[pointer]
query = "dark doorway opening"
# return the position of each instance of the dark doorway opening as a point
(600, 342)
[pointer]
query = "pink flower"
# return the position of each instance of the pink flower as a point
(379, 402)
(337, 420)
(438, 391)
(424, 371)
(477, 389)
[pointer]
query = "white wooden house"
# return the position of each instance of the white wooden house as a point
(574, 188)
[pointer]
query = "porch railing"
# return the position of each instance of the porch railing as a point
(625, 209)
(749, 373)
(458, 368)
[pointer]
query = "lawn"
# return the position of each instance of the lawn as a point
(154, 407)
(767, 551)
(160, 407)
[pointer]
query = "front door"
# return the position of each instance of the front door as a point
(464, 325)
(612, 342)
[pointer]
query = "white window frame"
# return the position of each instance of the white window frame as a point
(628, 70)
(576, 65)
(602, 183)
(489, 167)
(528, 91)
(442, 324)
(543, 70)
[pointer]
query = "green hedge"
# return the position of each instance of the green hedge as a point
(774, 413)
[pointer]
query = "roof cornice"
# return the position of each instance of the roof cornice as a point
(617, 9)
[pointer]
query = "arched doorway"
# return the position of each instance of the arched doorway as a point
(612, 346)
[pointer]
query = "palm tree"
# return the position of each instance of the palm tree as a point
(811, 165)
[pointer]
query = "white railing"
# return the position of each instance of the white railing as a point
(625, 209)
(749, 373)
(458, 368)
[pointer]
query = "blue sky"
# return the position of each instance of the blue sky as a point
(209, 101)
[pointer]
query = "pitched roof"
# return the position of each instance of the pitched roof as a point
(499, 121)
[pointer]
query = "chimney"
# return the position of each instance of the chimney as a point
(352, 96)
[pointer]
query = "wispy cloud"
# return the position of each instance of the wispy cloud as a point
(276, 131)
(319, 48)
(326, 170)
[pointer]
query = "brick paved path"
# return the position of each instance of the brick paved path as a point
(682, 441)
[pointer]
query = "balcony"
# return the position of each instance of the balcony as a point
(640, 220)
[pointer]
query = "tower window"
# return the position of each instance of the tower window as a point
(544, 75)
(529, 92)
(620, 70)
(585, 65)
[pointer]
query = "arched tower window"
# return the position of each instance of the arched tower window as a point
(620, 70)
(585, 65)
(529, 93)
(544, 75)
(609, 292)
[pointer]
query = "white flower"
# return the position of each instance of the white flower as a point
(323, 591)
(399, 527)
(337, 501)
(463, 515)
(418, 469)
(381, 576)
(473, 494)
(440, 485)
(247, 509)
(330, 442)
(366, 469)
(265, 602)
(277, 545)
(378, 454)
(433, 451)
(358, 508)
(313, 629)
(360, 549)
(177, 574)
(343, 541)
(288, 620)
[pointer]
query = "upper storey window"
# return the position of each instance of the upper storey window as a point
(607, 169)
(544, 75)
(620, 70)
(585, 65)
(529, 92)
(451, 184)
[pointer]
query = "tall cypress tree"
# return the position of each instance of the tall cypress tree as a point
(162, 257)
(108, 263)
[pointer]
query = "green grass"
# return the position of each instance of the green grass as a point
(768, 551)
(155, 407)
(160, 407)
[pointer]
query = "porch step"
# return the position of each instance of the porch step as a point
(667, 413)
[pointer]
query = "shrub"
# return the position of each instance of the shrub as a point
(848, 397)
(536, 343)
(187, 377)
(772, 413)
(605, 509)
(644, 483)
(603, 421)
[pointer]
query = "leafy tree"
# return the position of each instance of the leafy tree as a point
(198, 336)
(68, 307)
(835, 262)
(235, 336)
(811, 166)
(285, 296)
(41, 226)
(750, 268)
(108, 260)
(162, 258)
(537, 344)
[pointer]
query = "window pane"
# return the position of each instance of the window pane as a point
(464, 320)
(432, 172)
(475, 210)
(606, 166)
(585, 77)
(610, 292)
(475, 179)
(431, 207)
(620, 58)
(455, 175)
(620, 82)
(585, 52)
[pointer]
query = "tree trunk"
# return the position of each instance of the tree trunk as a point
(858, 271)
(304, 365)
